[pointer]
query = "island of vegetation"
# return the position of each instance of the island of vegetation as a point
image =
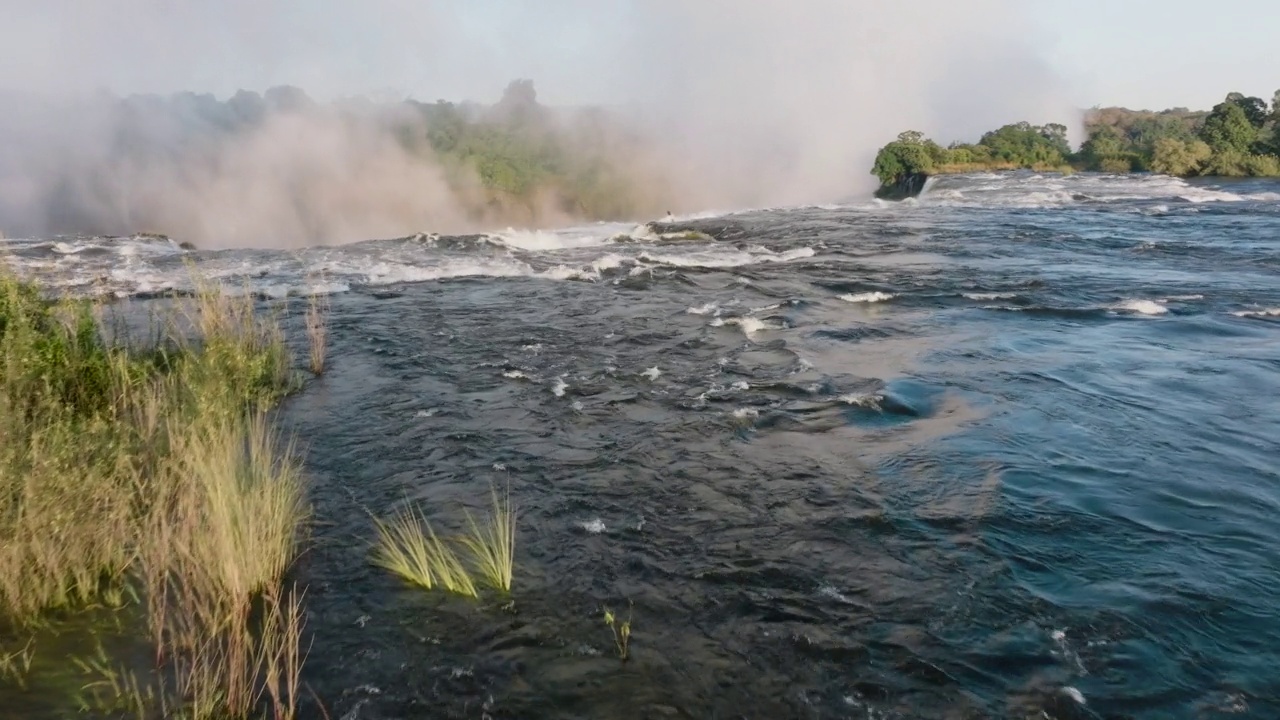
(1240, 137)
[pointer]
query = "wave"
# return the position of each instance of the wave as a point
(750, 326)
(1039, 192)
(1267, 313)
(1141, 307)
(868, 297)
(720, 259)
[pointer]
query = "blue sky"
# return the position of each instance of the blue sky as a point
(1163, 53)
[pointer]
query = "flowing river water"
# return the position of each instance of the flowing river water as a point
(1005, 451)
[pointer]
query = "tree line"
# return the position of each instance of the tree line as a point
(107, 164)
(1240, 137)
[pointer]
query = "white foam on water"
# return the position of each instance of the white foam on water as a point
(746, 414)
(1181, 298)
(559, 386)
(568, 238)
(741, 385)
(862, 400)
(652, 373)
(515, 375)
(590, 271)
(391, 273)
(707, 309)
(831, 592)
(1141, 307)
(868, 297)
(594, 526)
(750, 326)
(725, 259)
(1269, 312)
(1075, 695)
(1203, 195)
(991, 296)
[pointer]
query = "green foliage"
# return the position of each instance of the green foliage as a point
(1228, 129)
(1240, 137)
(1021, 145)
(153, 468)
(1254, 108)
(908, 155)
(1236, 139)
(1029, 145)
(1263, 165)
(1180, 157)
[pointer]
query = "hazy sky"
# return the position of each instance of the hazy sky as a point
(1156, 54)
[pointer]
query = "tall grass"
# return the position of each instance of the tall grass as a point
(156, 467)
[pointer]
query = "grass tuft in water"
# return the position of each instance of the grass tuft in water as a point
(15, 665)
(492, 545)
(317, 331)
(410, 548)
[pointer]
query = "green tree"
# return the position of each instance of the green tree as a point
(1103, 142)
(1254, 108)
(908, 155)
(1227, 129)
(1178, 157)
(1026, 144)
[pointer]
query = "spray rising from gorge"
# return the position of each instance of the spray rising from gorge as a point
(639, 108)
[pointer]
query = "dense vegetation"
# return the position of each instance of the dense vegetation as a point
(1239, 137)
(1042, 147)
(149, 478)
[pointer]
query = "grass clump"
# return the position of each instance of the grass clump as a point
(317, 331)
(409, 547)
(155, 468)
(493, 543)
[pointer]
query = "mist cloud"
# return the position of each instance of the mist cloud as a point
(742, 102)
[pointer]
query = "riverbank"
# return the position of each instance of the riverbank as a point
(142, 483)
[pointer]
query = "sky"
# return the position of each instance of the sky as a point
(1156, 54)
(1138, 53)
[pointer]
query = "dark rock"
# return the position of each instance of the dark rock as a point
(907, 186)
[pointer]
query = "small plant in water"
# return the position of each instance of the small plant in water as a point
(621, 631)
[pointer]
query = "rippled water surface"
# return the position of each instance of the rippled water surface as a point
(1008, 451)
